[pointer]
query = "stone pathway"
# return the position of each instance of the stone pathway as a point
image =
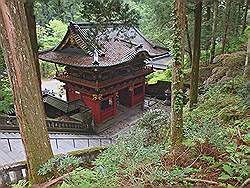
(124, 119)
(12, 150)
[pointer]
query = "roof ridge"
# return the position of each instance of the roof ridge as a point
(83, 35)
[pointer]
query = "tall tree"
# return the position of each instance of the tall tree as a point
(177, 79)
(226, 24)
(214, 29)
(247, 65)
(190, 56)
(20, 62)
(247, 2)
(208, 27)
(196, 55)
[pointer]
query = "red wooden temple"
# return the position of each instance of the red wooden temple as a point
(104, 67)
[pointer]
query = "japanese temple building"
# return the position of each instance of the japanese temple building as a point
(104, 68)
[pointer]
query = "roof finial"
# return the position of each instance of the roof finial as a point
(96, 57)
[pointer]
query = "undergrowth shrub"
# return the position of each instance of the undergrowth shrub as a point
(129, 162)
(157, 124)
(59, 165)
(209, 131)
(221, 109)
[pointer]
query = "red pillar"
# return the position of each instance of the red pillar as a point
(94, 105)
(143, 94)
(132, 97)
(96, 111)
(114, 104)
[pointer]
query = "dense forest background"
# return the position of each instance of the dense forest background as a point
(223, 21)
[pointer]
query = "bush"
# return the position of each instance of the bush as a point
(129, 162)
(59, 165)
(154, 77)
(219, 109)
(157, 123)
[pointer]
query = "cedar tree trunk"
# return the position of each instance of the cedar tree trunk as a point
(29, 10)
(214, 29)
(196, 56)
(177, 79)
(245, 16)
(226, 24)
(247, 65)
(20, 62)
(208, 28)
(190, 56)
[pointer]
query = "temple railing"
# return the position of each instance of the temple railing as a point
(10, 123)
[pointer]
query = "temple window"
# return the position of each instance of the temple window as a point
(87, 76)
(107, 103)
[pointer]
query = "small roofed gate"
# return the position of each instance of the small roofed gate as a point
(104, 68)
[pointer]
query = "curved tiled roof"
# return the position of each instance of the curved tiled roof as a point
(114, 44)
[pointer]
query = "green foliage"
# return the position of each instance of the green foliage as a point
(156, 21)
(50, 35)
(222, 104)
(2, 64)
(178, 105)
(128, 159)
(101, 11)
(238, 43)
(157, 122)
(165, 75)
(160, 76)
(21, 184)
(206, 131)
(108, 11)
(81, 177)
(59, 165)
(6, 98)
(237, 167)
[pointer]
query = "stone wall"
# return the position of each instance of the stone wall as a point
(11, 174)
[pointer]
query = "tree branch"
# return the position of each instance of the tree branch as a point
(201, 181)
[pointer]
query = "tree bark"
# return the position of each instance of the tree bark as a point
(208, 28)
(177, 79)
(190, 56)
(214, 30)
(247, 65)
(196, 55)
(245, 16)
(29, 11)
(238, 21)
(226, 25)
(21, 67)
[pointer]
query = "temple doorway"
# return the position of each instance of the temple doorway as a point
(125, 97)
